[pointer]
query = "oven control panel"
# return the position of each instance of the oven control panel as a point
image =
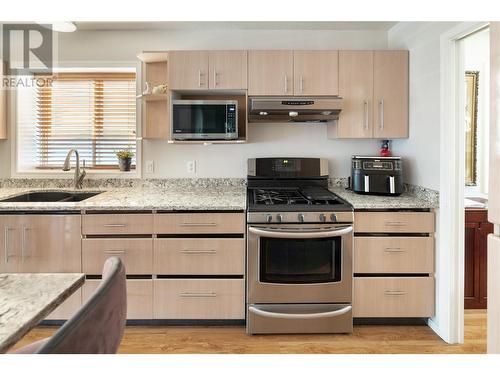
(300, 217)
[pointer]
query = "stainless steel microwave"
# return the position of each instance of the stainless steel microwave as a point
(205, 119)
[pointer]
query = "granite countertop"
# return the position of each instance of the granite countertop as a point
(403, 201)
(27, 298)
(138, 198)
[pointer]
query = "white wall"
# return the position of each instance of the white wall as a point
(475, 50)
(105, 48)
(421, 149)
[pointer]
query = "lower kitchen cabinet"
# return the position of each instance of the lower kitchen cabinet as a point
(199, 256)
(40, 243)
(477, 229)
(139, 297)
(68, 308)
(199, 299)
(393, 297)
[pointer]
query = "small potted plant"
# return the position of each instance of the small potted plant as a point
(125, 159)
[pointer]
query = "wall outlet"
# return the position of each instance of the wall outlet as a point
(150, 166)
(191, 166)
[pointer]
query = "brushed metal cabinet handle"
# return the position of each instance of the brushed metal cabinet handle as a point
(115, 225)
(198, 224)
(395, 292)
(301, 84)
(381, 105)
(395, 223)
(394, 250)
(199, 77)
(365, 104)
(197, 295)
(194, 251)
(286, 84)
(114, 251)
(6, 245)
(23, 244)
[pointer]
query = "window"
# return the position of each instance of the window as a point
(92, 112)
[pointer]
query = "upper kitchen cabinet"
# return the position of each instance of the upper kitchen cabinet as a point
(3, 105)
(390, 94)
(270, 73)
(228, 70)
(316, 73)
(188, 70)
(374, 88)
(356, 89)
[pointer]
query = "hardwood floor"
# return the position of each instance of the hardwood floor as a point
(366, 339)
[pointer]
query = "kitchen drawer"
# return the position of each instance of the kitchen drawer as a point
(393, 254)
(139, 297)
(68, 308)
(117, 224)
(199, 299)
(200, 223)
(393, 297)
(394, 222)
(199, 256)
(136, 253)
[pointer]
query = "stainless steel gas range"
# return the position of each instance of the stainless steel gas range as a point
(299, 254)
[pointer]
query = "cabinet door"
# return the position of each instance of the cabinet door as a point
(316, 72)
(228, 70)
(356, 89)
(471, 271)
(188, 70)
(390, 80)
(10, 243)
(51, 243)
(270, 72)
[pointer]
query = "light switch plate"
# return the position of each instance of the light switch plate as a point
(191, 166)
(150, 166)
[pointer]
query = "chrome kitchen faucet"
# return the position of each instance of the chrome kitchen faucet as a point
(78, 180)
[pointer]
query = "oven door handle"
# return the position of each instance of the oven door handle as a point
(284, 233)
(326, 314)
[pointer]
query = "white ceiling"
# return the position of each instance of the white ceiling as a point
(187, 25)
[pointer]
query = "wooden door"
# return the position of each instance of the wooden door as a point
(188, 70)
(270, 72)
(51, 243)
(390, 87)
(10, 243)
(356, 89)
(228, 70)
(316, 73)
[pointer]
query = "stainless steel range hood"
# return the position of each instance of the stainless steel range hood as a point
(294, 109)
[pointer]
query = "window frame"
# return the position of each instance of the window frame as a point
(18, 171)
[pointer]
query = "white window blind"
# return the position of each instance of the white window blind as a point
(92, 112)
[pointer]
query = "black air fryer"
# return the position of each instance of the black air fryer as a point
(377, 175)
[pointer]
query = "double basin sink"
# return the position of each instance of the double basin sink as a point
(52, 196)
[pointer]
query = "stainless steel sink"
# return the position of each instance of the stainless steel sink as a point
(51, 196)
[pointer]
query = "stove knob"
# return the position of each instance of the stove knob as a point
(322, 217)
(269, 218)
(279, 218)
(333, 217)
(301, 218)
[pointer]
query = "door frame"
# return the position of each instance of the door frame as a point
(449, 320)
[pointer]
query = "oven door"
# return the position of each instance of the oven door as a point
(297, 263)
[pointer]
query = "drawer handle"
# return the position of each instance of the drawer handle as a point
(197, 295)
(395, 223)
(115, 225)
(394, 250)
(115, 251)
(208, 251)
(198, 224)
(394, 292)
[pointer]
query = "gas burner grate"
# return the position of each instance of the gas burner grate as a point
(275, 196)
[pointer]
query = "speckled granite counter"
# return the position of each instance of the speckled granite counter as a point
(138, 198)
(404, 201)
(27, 298)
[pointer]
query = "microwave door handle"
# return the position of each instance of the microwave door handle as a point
(326, 314)
(283, 233)
(392, 187)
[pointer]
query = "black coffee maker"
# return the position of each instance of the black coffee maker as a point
(377, 175)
